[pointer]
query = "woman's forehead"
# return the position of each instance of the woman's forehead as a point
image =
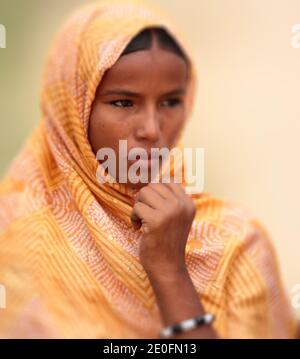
(140, 69)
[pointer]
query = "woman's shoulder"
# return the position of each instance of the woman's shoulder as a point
(249, 266)
(232, 224)
(234, 216)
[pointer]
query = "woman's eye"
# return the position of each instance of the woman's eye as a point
(171, 102)
(122, 103)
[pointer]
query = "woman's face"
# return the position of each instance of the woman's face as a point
(140, 99)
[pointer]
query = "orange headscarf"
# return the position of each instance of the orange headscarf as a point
(90, 43)
(69, 260)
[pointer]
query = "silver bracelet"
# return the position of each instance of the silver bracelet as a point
(186, 325)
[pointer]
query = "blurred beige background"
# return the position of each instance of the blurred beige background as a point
(247, 112)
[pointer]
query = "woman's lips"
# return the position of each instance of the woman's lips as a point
(147, 163)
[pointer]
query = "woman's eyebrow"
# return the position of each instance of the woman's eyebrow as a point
(176, 92)
(122, 92)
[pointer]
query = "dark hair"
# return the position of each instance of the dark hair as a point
(144, 39)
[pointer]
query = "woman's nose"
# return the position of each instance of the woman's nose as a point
(148, 125)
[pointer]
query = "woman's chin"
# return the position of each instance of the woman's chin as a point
(136, 186)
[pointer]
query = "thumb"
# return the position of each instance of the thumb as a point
(135, 220)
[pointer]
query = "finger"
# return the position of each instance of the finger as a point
(162, 190)
(149, 196)
(177, 189)
(141, 213)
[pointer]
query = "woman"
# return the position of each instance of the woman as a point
(80, 257)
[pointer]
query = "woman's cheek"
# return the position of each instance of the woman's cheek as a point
(174, 127)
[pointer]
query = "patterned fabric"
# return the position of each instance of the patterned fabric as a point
(69, 264)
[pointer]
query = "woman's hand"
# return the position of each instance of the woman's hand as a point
(165, 213)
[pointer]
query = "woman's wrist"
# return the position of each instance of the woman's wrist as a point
(167, 274)
(177, 298)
